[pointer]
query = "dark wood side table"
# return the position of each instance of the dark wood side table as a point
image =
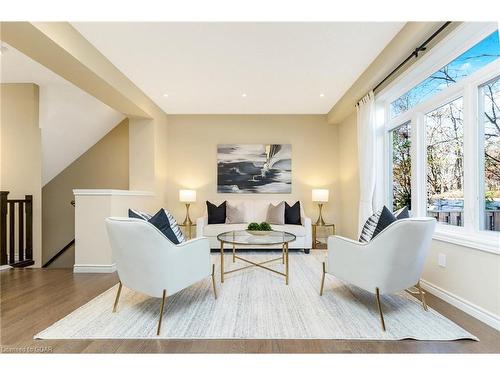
(322, 233)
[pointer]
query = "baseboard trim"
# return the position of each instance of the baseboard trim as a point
(94, 268)
(464, 305)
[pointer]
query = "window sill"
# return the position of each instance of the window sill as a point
(483, 241)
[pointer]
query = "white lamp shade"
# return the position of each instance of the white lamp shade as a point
(187, 196)
(320, 195)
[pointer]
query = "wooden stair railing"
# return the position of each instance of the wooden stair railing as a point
(22, 254)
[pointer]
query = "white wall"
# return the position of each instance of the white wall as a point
(92, 249)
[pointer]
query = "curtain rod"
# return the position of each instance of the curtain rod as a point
(415, 53)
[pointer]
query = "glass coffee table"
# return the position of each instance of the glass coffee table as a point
(242, 237)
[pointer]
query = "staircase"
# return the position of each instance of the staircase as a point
(16, 243)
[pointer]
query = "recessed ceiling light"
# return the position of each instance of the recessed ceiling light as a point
(165, 95)
(321, 95)
(243, 95)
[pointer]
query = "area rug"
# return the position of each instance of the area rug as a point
(256, 304)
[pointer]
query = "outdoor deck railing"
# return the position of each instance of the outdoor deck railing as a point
(491, 218)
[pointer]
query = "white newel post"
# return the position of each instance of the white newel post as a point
(92, 206)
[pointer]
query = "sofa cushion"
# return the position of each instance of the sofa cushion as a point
(292, 214)
(216, 214)
(213, 230)
(297, 230)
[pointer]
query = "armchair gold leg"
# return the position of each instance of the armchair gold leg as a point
(161, 311)
(117, 296)
(322, 279)
(422, 296)
(379, 305)
(213, 280)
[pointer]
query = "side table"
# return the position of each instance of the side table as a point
(315, 235)
(187, 230)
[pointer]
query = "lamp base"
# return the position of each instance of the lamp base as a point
(187, 221)
(320, 220)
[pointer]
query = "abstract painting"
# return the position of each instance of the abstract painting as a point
(254, 168)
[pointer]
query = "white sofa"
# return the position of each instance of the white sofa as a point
(256, 211)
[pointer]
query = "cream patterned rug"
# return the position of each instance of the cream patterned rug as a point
(256, 304)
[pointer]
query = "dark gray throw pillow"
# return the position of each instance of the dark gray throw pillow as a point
(402, 213)
(386, 218)
(160, 221)
(292, 214)
(216, 214)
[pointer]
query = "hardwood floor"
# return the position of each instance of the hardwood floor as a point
(33, 299)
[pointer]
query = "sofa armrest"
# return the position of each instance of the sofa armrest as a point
(307, 223)
(200, 225)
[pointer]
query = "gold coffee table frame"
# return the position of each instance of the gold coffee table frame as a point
(238, 238)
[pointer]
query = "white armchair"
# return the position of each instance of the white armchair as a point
(391, 262)
(149, 263)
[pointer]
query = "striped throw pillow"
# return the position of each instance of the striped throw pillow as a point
(136, 214)
(175, 227)
(369, 227)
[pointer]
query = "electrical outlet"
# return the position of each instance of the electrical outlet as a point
(441, 260)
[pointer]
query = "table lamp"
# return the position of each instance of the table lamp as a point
(320, 196)
(187, 197)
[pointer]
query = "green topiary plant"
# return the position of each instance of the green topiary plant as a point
(253, 226)
(265, 226)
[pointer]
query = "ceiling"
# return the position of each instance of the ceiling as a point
(71, 120)
(241, 68)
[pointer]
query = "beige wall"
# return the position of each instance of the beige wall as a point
(192, 156)
(104, 166)
(348, 177)
(471, 274)
(21, 151)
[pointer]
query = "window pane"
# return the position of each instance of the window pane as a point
(467, 63)
(445, 174)
(491, 121)
(401, 167)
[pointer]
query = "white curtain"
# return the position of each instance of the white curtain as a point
(366, 157)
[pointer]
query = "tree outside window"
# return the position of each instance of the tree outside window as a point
(445, 167)
(491, 128)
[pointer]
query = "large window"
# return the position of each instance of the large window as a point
(442, 140)
(444, 129)
(401, 167)
(467, 63)
(490, 130)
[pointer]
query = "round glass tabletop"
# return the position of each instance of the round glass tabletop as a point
(243, 237)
